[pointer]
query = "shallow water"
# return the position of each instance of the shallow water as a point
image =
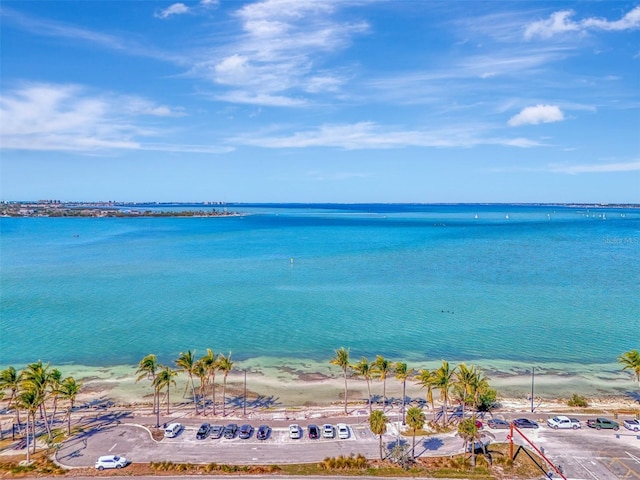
(547, 285)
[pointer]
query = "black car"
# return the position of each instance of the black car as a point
(314, 431)
(203, 431)
(230, 430)
(246, 431)
(216, 431)
(263, 432)
(525, 423)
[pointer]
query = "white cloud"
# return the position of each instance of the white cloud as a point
(175, 9)
(50, 117)
(536, 115)
(279, 51)
(561, 22)
(597, 168)
(370, 135)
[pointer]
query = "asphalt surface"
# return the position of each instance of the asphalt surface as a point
(583, 454)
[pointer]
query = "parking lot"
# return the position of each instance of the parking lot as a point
(583, 454)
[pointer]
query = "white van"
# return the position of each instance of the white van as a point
(172, 430)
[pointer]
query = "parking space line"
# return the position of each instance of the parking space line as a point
(587, 470)
(114, 446)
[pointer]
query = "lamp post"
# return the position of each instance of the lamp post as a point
(244, 407)
(533, 376)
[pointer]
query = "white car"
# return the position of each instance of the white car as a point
(172, 430)
(328, 431)
(295, 431)
(111, 461)
(561, 421)
(632, 425)
(343, 431)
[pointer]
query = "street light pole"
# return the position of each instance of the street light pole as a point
(244, 407)
(533, 376)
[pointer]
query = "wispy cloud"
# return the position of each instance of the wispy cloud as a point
(175, 9)
(561, 22)
(370, 135)
(536, 115)
(596, 168)
(279, 53)
(69, 118)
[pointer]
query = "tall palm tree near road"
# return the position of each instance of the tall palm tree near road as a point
(443, 380)
(378, 425)
(425, 379)
(402, 373)
(30, 399)
(465, 378)
(415, 420)
(631, 361)
(186, 361)
(10, 380)
(69, 390)
(210, 362)
(36, 378)
(342, 360)
(381, 368)
(147, 368)
(363, 369)
(225, 365)
(164, 379)
(468, 431)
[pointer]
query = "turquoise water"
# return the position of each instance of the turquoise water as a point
(413, 282)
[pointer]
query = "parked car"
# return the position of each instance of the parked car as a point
(230, 430)
(172, 430)
(479, 425)
(328, 431)
(562, 421)
(497, 423)
(601, 422)
(246, 431)
(525, 423)
(343, 431)
(111, 461)
(314, 431)
(632, 425)
(203, 431)
(216, 431)
(263, 432)
(295, 431)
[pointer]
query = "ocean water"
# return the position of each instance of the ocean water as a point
(505, 283)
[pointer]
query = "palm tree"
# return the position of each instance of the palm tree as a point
(147, 368)
(186, 361)
(210, 362)
(200, 371)
(378, 424)
(465, 380)
(224, 365)
(415, 419)
(468, 431)
(30, 399)
(425, 380)
(36, 377)
(53, 387)
(69, 389)
(402, 373)
(631, 361)
(381, 368)
(164, 379)
(10, 380)
(363, 369)
(443, 381)
(342, 360)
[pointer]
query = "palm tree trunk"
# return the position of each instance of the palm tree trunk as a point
(345, 390)
(213, 395)
(369, 392)
(404, 394)
(28, 446)
(224, 397)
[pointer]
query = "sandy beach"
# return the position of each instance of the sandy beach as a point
(300, 384)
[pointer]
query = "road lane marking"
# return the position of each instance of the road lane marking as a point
(587, 470)
(114, 446)
(635, 459)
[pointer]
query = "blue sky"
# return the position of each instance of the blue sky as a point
(320, 101)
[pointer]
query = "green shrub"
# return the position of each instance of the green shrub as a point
(578, 401)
